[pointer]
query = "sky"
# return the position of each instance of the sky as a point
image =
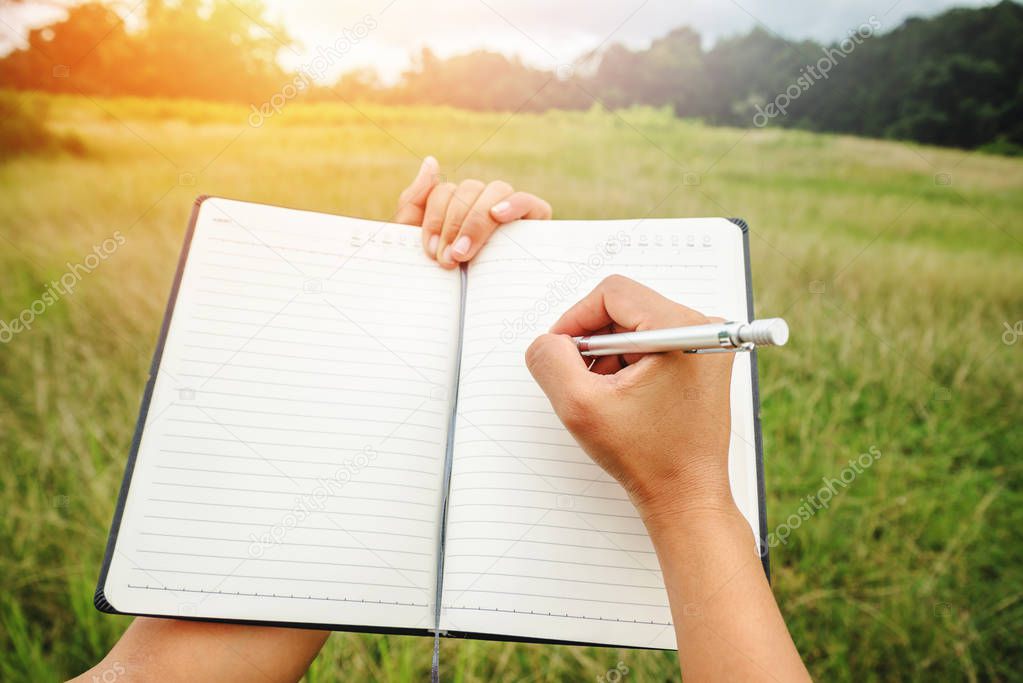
(383, 34)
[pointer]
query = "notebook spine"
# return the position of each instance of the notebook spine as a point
(446, 483)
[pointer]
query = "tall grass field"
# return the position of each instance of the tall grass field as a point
(899, 268)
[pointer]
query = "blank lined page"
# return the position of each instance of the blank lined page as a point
(291, 461)
(541, 542)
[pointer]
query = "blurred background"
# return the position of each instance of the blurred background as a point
(874, 147)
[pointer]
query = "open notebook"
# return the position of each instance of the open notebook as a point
(337, 433)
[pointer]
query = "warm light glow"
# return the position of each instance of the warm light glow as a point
(544, 34)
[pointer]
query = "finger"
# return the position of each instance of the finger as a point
(433, 216)
(561, 372)
(458, 208)
(521, 205)
(479, 225)
(627, 305)
(607, 365)
(412, 200)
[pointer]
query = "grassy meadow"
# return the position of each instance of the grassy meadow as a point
(899, 268)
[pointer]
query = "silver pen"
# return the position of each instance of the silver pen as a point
(731, 336)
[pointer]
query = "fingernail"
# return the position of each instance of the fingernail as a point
(500, 208)
(428, 165)
(446, 256)
(431, 246)
(461, 246)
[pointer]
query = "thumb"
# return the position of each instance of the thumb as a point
(412, 200)
(556, 365)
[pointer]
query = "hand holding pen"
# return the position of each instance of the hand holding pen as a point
(660, 423)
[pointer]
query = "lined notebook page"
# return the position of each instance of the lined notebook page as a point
(292, 456)
(541, 542)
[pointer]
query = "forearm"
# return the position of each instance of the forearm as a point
(727, 623)
(174, 650)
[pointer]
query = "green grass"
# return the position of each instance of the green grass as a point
(897, 288)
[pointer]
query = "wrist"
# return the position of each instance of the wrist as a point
(709, 530)
(672, 507)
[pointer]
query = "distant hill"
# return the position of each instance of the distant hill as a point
(955, 79)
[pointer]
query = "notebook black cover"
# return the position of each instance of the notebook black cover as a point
(103, 605)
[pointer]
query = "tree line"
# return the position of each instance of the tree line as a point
(955, 79)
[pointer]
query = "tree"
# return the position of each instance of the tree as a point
(188, 48)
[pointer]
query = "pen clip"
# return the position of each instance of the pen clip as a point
(748, 346)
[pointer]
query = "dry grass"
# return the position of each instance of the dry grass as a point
(897, 289)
